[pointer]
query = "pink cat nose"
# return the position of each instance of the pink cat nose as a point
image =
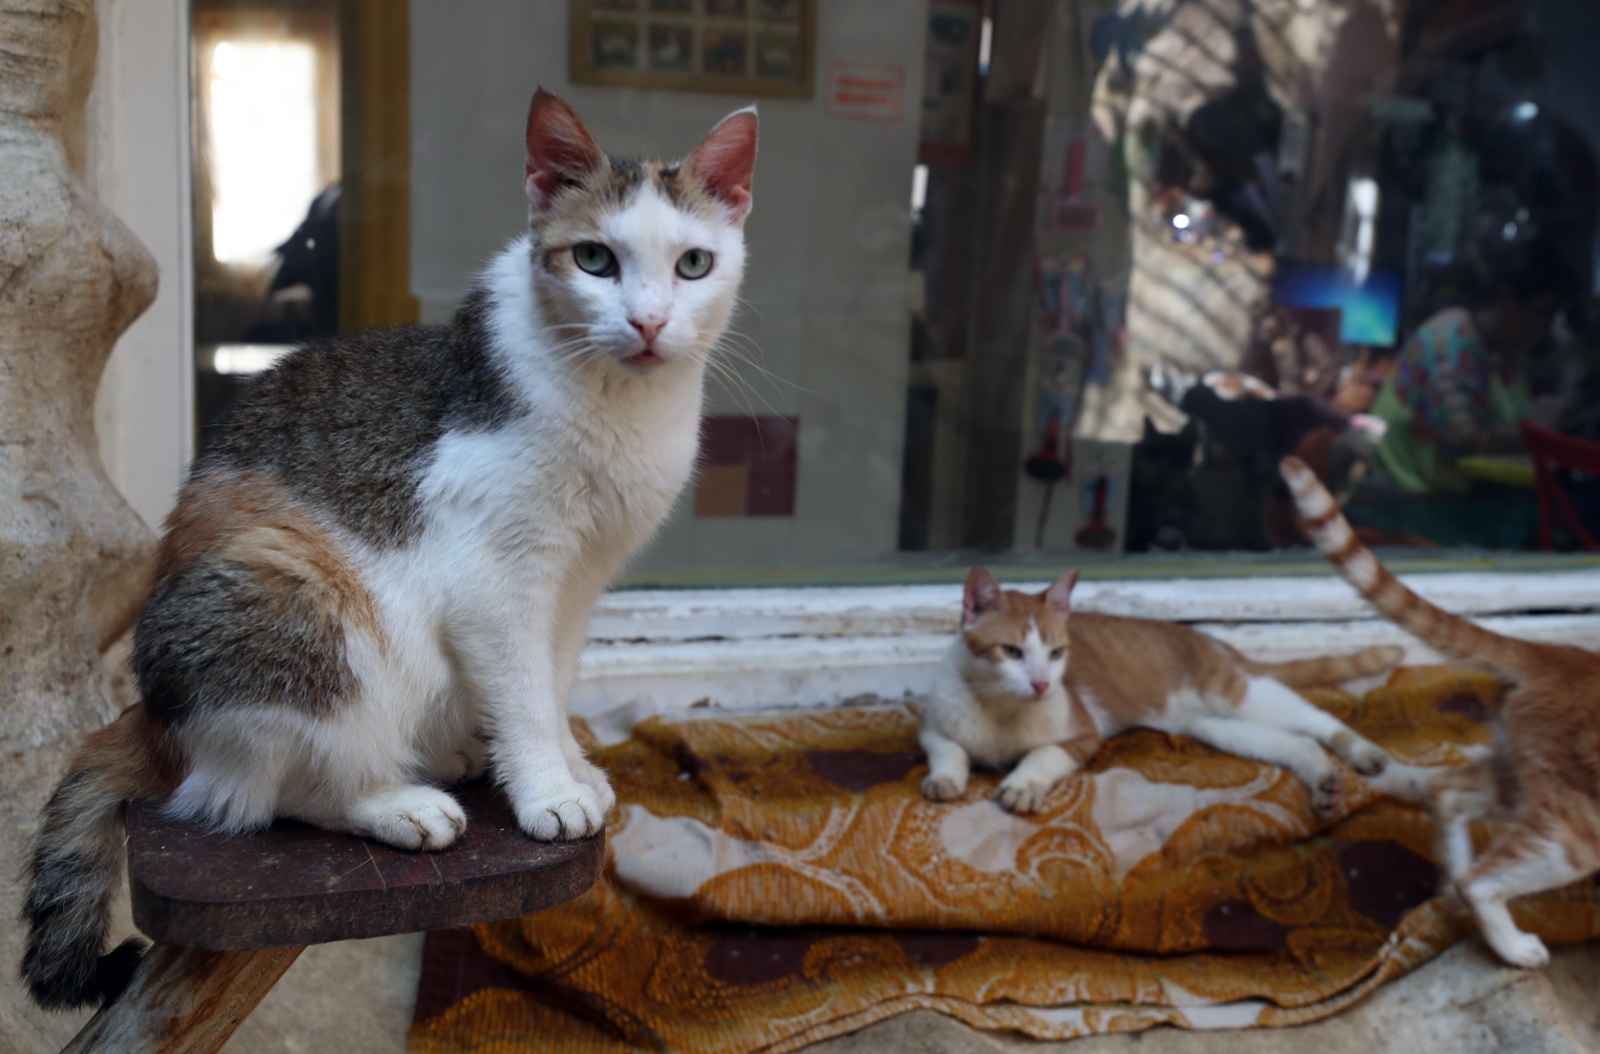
(1040, 687)
(649, 329)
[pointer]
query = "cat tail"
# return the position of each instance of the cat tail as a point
(75, 867)
(1454, 636)
(1330, 669)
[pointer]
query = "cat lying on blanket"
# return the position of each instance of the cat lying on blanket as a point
(1031, 683)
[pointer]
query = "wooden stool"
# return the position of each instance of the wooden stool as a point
(230, 914)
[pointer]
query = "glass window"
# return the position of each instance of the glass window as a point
(1044, 284)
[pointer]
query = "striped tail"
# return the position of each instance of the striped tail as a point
(76, 863)
(1450, 634)
(1331, 669)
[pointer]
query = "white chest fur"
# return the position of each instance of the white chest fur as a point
(993, 731)
(600, 456)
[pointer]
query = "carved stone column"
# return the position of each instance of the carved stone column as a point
(72, 553)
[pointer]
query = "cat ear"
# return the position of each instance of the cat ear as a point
(725, 160)
(560, 149)
(982, 594)
(1059, 595)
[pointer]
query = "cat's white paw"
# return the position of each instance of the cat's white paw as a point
(594, 777)
(1022, 796)
(466, 762)
(561, 813)
(417, 818)
(1366, 757)
(942, 788)
(1327, 791)
(1519, 949)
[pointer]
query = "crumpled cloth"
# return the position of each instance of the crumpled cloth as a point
(775, 881)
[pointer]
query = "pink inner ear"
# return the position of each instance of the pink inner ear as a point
(982, 593)
(725, 161)
(1059, 595)
(560, 149)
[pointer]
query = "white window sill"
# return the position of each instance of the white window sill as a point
(666, 651)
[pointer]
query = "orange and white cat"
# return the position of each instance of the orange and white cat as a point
(1542, 780)
(1030, 682)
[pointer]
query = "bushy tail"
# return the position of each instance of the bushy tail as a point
(76, 863)
(1450, 634)
(1331, 669)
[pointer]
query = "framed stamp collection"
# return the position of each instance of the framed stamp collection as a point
(733, 47)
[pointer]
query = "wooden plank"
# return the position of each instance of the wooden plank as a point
(183, 1001)
(294, 884)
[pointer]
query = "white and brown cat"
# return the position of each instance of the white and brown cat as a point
(394, 542)
(1542, 781)
(1028, 681)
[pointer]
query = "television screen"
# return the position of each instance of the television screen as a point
(1369, 310)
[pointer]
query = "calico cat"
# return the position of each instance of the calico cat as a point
(1542, 780)
(394, 542)
(1027, 678)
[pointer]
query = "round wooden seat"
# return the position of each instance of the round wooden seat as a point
(229, 914)
(293, 884)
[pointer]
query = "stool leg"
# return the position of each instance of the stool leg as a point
(183, 1001)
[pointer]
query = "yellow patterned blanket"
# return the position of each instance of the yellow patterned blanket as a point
(777, 881)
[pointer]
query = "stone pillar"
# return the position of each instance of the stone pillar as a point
(73, 555)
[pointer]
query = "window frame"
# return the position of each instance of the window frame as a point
(655, 651)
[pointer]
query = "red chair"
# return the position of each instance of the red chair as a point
(1552, 450)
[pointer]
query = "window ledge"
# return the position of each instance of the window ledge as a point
(666, 651)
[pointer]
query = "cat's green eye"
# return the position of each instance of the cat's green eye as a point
(696, 263)
(595, 258)
(1011, 652)
(1058, 653)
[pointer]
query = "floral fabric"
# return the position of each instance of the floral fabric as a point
(777, 881)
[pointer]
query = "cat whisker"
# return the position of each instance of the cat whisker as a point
(732, 384)
(726, 344)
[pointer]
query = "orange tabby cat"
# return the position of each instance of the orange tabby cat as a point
(1543, 779)
(1010, 690)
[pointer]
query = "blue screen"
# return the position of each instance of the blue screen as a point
(1369, 312)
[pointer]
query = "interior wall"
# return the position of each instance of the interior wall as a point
(829, 245)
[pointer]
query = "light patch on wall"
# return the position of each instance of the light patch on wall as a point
(263, 123)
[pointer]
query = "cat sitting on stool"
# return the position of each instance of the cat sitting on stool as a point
(394, 541)
(1031, 683)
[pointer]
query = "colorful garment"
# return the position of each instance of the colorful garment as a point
(1447, 394)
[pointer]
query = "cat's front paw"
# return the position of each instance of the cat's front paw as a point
(1367, 757)
(1022, 796)
(416, 818)
(560, 813)
(594, 777)
(942, 788)
(466, 762)
(1327, 791)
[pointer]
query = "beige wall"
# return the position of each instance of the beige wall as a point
(829, 245)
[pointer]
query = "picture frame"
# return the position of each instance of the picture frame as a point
(730, 47)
